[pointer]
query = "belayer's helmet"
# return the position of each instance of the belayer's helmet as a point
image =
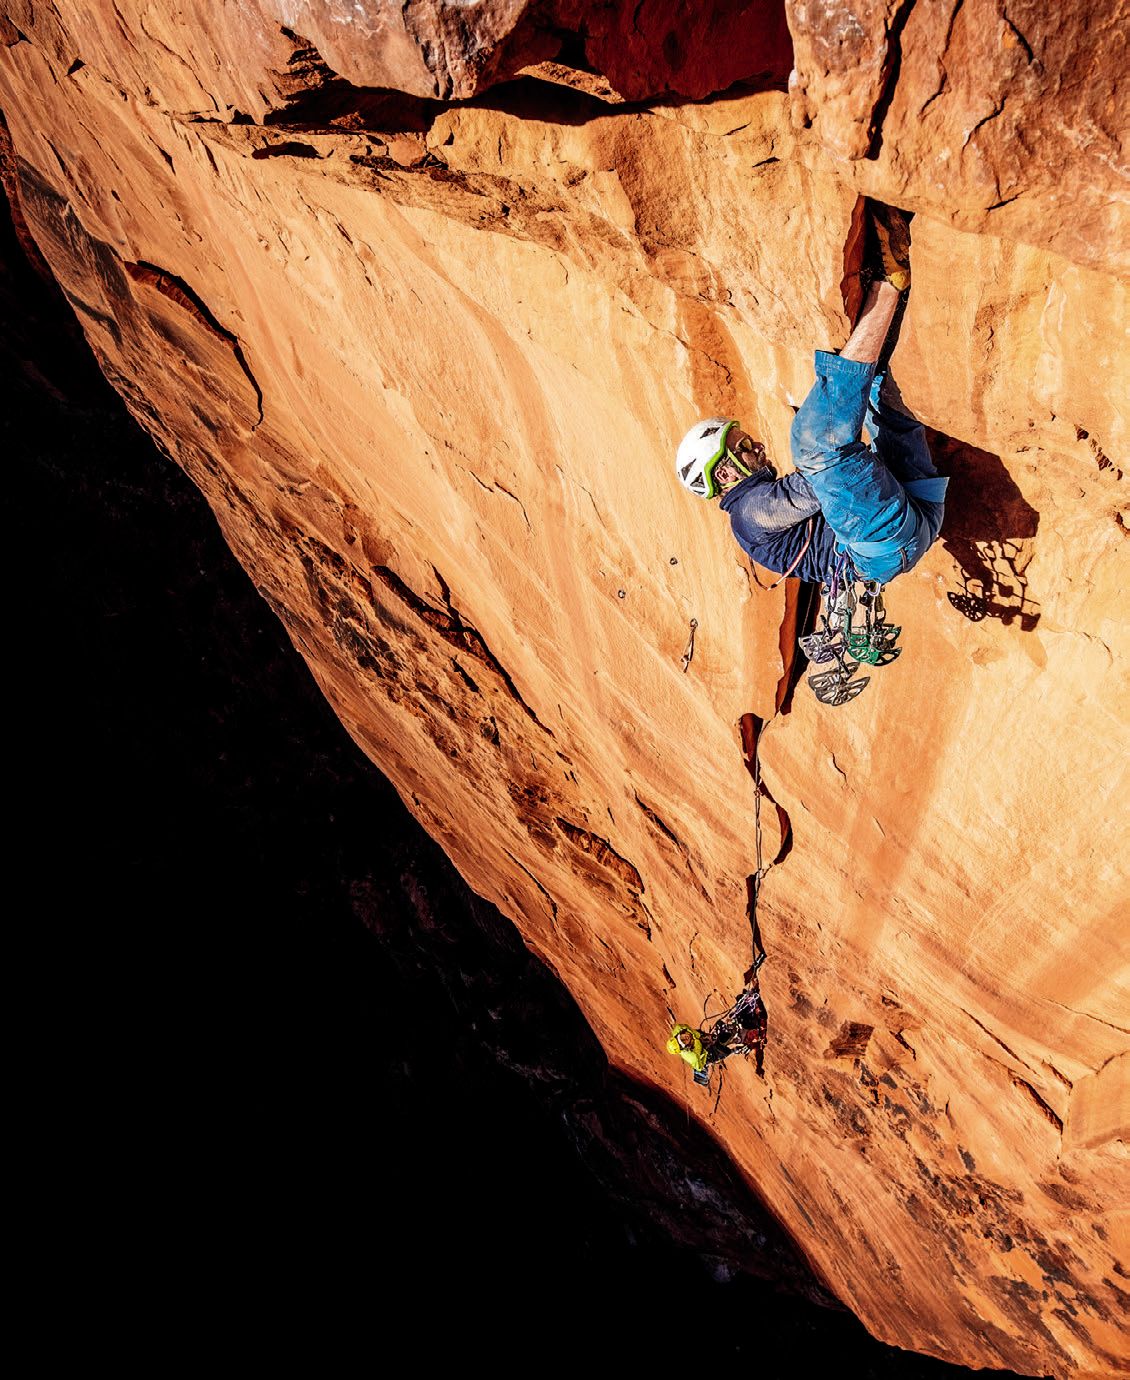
(699, 452)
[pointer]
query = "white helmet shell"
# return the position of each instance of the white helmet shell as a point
(699, 451)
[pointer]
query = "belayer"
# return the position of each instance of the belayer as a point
(854, 511)
(740, 1030)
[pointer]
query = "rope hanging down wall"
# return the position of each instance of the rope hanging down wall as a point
(742, 1029)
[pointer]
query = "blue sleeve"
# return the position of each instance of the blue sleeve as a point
(783, 503)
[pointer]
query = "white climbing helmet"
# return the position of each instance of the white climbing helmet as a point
(699, 452)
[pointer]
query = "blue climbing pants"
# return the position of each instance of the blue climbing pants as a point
(884, 501)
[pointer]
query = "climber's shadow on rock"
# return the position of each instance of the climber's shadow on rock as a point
(989, 530)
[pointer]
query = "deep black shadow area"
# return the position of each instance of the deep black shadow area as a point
(288, 1091)
(989, 530)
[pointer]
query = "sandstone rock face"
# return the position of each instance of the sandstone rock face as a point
(1001, 117)
(429, 363)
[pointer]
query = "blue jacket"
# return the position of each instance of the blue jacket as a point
(769, 518)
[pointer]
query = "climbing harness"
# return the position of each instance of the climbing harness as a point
(842, 641)
(740, 1030)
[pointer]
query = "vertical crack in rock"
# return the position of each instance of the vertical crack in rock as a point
(751, 728)
(891, 69)
(851, 284)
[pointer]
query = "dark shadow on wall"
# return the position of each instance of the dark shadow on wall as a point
(289, 1073)
(802, 610)
(683, 48)
(339, 105)
(989, 530)
(567, 63)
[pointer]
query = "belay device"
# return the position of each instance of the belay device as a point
(843, 641)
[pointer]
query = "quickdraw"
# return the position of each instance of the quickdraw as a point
(839, 640)
(875, 642)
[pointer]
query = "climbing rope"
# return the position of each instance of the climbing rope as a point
(721, 1084)
(753, 760)
(759, 870)
(741, 1028)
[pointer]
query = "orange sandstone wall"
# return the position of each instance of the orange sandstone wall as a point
(428, 361)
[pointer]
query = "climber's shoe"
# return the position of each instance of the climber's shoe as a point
(890, 228)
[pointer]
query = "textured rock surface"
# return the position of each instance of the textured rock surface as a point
(428, 364)
(1006, 118)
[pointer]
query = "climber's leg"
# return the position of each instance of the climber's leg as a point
(831, 418)
(899, 438)
(865, 344)
(860, 498)
(900, 442)
(883, 527)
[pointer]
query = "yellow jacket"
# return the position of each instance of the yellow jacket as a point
(696, 1055)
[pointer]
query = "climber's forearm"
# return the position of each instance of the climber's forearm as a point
(867, 339)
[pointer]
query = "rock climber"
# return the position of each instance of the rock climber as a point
(688, 1044)
(880, 504)
(740, 1030)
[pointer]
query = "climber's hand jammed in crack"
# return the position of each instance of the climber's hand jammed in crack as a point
(881, 502)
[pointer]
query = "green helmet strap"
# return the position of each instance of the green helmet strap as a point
(710, 466)
(739, 464)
